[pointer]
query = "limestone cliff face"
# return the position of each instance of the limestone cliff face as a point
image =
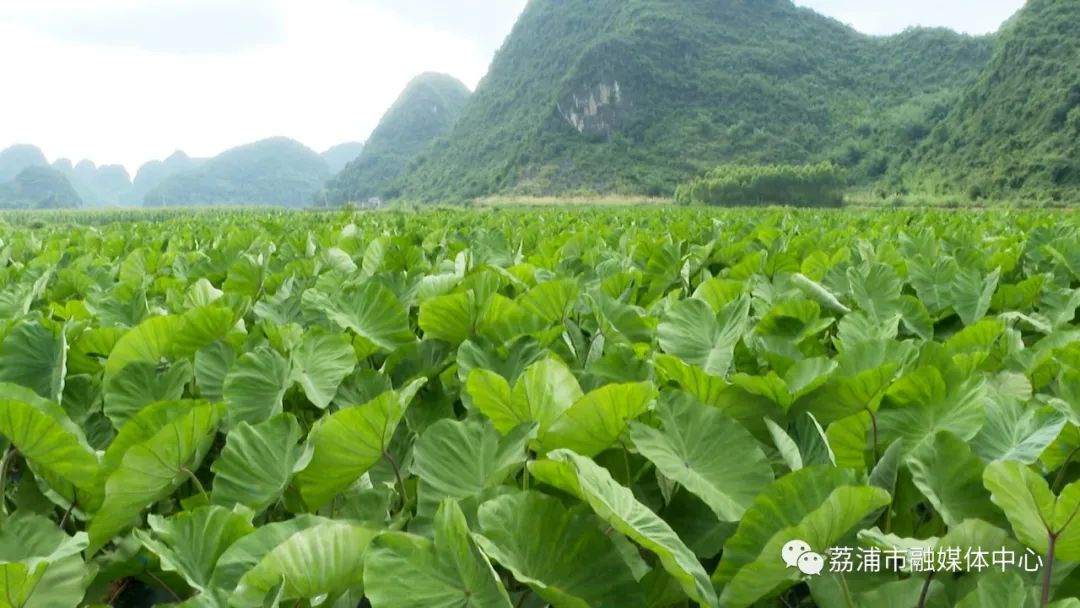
(594, 110)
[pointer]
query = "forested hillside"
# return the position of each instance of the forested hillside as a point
(428, 108)
(635, 96)
(342, 154)
(1015, 133)
(38, 187)
(151, 174)
(276, 171)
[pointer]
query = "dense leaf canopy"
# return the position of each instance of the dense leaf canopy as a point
(640, 407)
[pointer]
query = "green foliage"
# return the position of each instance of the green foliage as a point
(427, 109)
(341, 155)
(819, 185)
(276, 171)
(37, 187)
(1013, 133)
(600, 107)
(591, 407)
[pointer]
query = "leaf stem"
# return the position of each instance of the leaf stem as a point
(847, 592)
(67, 514)
(1060, 479)
(4, 464)
(162, 584)
(195, 481)
(626, 462)
(873, 426)
(926, 590)
(117, 592)
(1048, 573)
(397, 474)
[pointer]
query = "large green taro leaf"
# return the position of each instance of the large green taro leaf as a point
(256, 386)
(695, 334)
(451, 318)
(45, 436)
(998, 591)
(153, 469)
(257, 463)
(35, 357)
(90, 350)
(617, 506)
(370, 310)
(1015, 431)
(406, 571)
(600, 418)
(562, 555)
(462, 459)
(348, 443)
(551, 301)
(619, 322)
(542, 394)
(245, 553)
(876, 289)
(926, 402)
(40, 565)
(320, 364)
(140, 428)
(818, 505)
(1035, 513)
(972, 294)
(318, 563)
(212, 364)
(947, 473)
(141, 383)
(707, 452)
(202, 326)
(151, 341)
(190, 542)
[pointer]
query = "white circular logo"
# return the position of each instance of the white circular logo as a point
(811, 564)
(797, 554)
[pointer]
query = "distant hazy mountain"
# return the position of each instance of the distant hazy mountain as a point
(342, 154)
(151, 174)
(429, 107)
(107, 185)
(276, 171)
(38, 187)
(16, 158)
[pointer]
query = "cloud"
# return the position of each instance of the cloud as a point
(337, 67)
(162, 26)
(879, 17)
(486, 22)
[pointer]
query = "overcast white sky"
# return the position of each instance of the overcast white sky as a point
(126, 81)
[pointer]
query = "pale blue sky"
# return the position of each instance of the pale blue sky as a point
(125, 81)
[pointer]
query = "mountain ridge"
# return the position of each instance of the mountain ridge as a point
(426, 109)
(1015, 131)
(603, 109)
